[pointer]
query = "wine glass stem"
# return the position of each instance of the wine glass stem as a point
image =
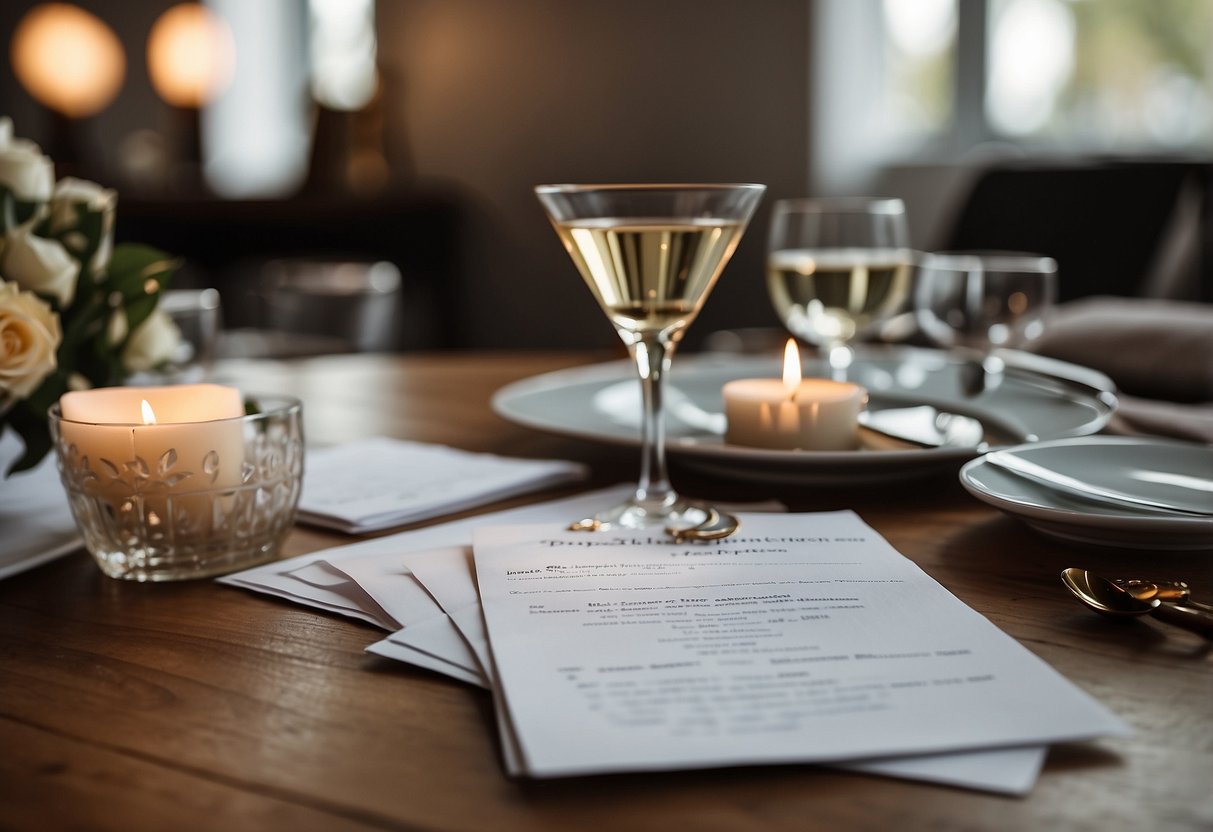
(652, 356)
(839, 357)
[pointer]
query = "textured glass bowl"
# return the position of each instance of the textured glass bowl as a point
(217, 496)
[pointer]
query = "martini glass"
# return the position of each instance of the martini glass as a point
(651, 254)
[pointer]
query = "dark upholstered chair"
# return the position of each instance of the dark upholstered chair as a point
(1105, 222)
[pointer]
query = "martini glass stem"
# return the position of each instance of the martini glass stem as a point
(652, 355)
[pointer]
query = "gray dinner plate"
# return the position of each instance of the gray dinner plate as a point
(1166, 471)
(1036, 399)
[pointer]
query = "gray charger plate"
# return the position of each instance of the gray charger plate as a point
(1037, 398)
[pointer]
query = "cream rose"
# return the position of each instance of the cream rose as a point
(29, 336)
(116, 329)
(152, 343)
(70, 193)
(24, 169)
(40, 265)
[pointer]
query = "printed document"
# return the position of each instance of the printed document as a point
(803, 638)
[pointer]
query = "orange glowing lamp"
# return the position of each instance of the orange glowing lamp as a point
(190, 55)
(68, 59)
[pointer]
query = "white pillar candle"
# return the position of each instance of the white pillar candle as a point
(793, 413)
(159, 444)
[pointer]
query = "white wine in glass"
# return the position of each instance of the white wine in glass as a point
(650, 254)
(837, 269)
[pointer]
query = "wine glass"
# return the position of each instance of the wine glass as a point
(974, 303)
(650, 254)
(836, 269)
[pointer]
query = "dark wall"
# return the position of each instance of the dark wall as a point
(497, 97)
(97, 138)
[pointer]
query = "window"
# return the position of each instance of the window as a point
(1112, 75)
(920, 65)
(931, 80)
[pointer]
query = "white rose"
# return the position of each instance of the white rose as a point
(24, 169)
(152, 343)
(29, 336)
(116, 329)
(39, 265)
(69, 193)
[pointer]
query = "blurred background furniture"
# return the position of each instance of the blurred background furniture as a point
(412, 132)
(357, 302)
(1124, 227)
(274, 264)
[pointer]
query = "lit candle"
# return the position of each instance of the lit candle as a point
(150, 448)
(795, 412)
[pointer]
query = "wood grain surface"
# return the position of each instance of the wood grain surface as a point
(199, 706)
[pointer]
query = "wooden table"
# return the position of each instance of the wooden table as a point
(198, 706)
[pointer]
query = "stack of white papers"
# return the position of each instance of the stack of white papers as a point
(806, 638)
(35, 522)
(378, 483)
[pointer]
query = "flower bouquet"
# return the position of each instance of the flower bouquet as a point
(76, 311)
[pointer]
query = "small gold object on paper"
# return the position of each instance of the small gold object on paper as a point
(717, 526)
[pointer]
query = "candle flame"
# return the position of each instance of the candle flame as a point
(791, 367)
(149, 415)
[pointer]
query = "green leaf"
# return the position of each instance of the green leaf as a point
(7, 210)
(132, 266)
(89, 224)
(102, 365)
(82, 322)
(40, 401)
(35, 434)
(13, 210)
(138, 310)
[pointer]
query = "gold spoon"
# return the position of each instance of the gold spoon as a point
(1169, 592)
(1106, 598)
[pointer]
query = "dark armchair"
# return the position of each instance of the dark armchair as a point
(1111, 225)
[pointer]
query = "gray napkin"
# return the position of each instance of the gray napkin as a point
(1193, 422)
(1152, 349)
(35, 521)
(1158, 352)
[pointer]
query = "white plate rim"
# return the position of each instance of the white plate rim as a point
(1109, 519)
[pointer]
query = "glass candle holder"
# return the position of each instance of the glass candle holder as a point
(215, 497)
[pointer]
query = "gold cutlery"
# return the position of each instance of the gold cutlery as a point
(1169, 592)
(1107, 598)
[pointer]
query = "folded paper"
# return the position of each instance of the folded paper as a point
(378, 483)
